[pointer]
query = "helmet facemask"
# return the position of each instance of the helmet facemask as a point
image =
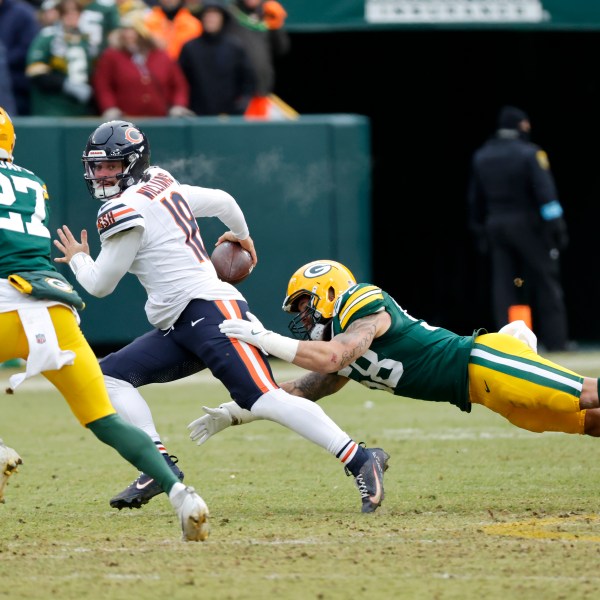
(115, 142)
(321, 282)
(310, 323)
(98, 186)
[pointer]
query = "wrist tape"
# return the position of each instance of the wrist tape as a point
(239, 415)
(279, 346)
(80, 260)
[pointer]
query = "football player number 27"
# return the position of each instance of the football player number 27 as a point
(16, 221)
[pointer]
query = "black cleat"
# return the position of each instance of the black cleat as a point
(143, 489)
(369, 480)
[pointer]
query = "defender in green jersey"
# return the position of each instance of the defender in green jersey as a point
(358, 332)
(38, 323)
(433, 360)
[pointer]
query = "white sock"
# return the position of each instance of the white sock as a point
(130, 405)
(304, 417)
(174, 491)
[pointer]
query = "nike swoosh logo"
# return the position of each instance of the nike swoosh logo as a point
(376, 499)
(487, 389)
(143, 485)
(198, 321)
(252, 332)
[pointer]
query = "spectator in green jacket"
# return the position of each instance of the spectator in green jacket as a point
(59, 65)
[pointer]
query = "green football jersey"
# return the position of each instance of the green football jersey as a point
(98, 19)
(55, 51)
(411, 359)
(24, 236)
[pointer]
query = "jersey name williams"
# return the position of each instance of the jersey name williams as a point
(157, 185)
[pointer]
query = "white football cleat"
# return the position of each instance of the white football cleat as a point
(9, 461)
(192, 512)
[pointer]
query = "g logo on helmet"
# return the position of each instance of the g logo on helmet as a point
(133, 135)
(317, 270)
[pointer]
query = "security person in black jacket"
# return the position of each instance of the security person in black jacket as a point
(515, 214)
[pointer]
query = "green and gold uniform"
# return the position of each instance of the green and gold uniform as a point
(415, 360)
(412, 358)
(24, 235)
(25, 247)
(25, 244)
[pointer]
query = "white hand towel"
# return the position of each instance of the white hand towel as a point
(519, 330)
(44, 351)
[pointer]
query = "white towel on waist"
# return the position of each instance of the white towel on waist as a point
(519, 330)
(44, 351)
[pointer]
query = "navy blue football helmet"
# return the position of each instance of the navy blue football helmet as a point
(115, 141)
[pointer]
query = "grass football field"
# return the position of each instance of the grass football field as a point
(474, 507)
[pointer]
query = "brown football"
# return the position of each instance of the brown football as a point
(232, 263)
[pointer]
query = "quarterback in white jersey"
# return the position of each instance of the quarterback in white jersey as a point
(38, 323)
(147, 226)
(162, 214)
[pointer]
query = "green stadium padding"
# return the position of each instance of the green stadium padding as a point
(304, 186)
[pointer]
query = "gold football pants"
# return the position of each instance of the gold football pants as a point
(82, 383)
(531, 392)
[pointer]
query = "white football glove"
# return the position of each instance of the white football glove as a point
(247, 331)
(9, 461)
(217, 419)
(253, 332)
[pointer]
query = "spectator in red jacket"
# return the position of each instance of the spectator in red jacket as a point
(136, 79)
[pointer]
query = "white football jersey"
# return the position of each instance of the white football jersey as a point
(172, 263)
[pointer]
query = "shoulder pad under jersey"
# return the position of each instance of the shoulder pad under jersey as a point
(358, 301)
(115, 216)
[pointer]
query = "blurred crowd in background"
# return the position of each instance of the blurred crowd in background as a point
(180, 58)
(142, 58)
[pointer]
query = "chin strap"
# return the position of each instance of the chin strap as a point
(317, 333)
(105, 192)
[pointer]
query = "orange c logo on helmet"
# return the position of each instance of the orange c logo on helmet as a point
(133, 135)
